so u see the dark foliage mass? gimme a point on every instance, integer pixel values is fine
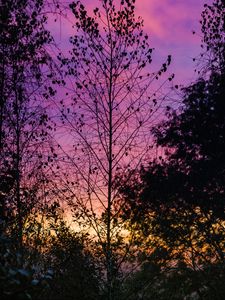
(191, 171)
(180, 197)
(195, 135)
(192, 168)
(161, 234)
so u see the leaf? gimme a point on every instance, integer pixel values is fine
(24, 272)
(35, 282)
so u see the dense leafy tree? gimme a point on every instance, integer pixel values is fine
(191, 172)
(179, 200)
(76, 274)
(194, 136)
(174, 284)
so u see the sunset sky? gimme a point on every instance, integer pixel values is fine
(169, 24)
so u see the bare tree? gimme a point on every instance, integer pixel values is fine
(114, 102)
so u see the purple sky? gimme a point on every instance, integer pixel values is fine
(169, 24)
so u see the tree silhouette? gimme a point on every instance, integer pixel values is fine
(114, 103)
(24, 124)
(194, 136)
(178, 200)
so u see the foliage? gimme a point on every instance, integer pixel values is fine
(191, 173)
(158, 234)
(177, 283)
(57, 266)
(177, 201)
(19, 281)
(75, 272)
(25, 151)
(25, 69)
(213, 38)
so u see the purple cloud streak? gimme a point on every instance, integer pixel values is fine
(169, 24)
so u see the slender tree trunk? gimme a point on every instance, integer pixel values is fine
(18, 100)
(2, 103)
(2, 73)
(110, 158)
(108, 247)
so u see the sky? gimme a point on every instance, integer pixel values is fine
(169, 23)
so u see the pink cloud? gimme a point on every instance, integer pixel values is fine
(169, 24)
(170, 19)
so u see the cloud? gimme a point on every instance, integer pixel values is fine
(169, 24)
(170, 19)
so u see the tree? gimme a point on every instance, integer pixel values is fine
(213, 37)
(19, 282)
(184, 190)
(25, 148)
(114, 103)
(194, 135)
(75, 272)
